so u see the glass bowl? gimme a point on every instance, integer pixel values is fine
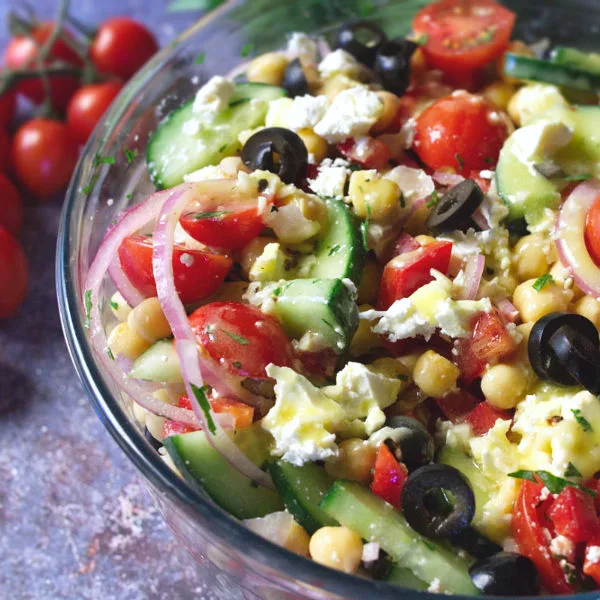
(237, 561)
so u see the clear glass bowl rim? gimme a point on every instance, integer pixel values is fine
(128, 437)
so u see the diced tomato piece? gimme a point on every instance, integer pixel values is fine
(574, 515)
(175, 428)
(406, 110)
(594, 484)
(405, 274)
(368, 152)
(591, 564)
(389, 477)
(484, 416)
(457, 405)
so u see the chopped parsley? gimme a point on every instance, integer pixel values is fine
(328, 324)
(237, 364)
(334, 250)
(402, 201)
(460, 161)
(128, 196)
(114, 305)
(200, 395)
(434, 199)
(277, 292)
(110, 354)
(487, 36)
(554, 484)
(87, 301)
(88, 188)
(104, 160)
(402, 377)
(422, 39)
(210, 214)
(582, 177)
(130, 155)
(572, 471)
(488, 161)
(246, 49)
(583, 422)
(200, 58)
(238, 338)
(429, 545)
(541, 281)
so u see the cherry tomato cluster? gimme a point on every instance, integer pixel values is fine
(69, 79)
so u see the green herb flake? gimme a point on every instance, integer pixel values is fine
(88, 188)
(434, 199)
(210, 214)
(131, 155)
(104, 160)
(334, 250)
(114, 305)
(328, 324)
(583, 422)
(246, 49)
(277, 292)
(128, 196)
(402, 201)
(572, 471)
(582, 177)
(554, 484)
(429, 545)
(541, 281)
(238, 338)
(87, 300)
(237, 364)
(200, 58)
(200, 395)
(488, 161)
(402, 377)
(422, 39)
(110, 354)
(460, 161)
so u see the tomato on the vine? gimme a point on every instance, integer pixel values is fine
(122, 46)
(11, 208)
(44, 154)
(87, 106)
(13, 274)
(22, 52)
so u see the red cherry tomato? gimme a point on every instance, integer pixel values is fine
(44, 155)
(11, 208)
(122, 46)
(13, 274)
(528, 528)
(592, 231)
(87, 106)
(484, 416)
(463, 36)
(197, 273)
(8, 106)
(457, 405)
(368, 152)
(4, 151)
(241, 338)
(573, 515)
(389, 477)
(22, 51)
(461, 131)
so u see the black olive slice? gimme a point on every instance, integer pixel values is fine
(294, 79)
(542, 357)
(455, 208)
(392, 65)
(415, 446)
(475, 543)
(260, 149)
(422, 508)
(361, 39)
(578, 355)
(505, 574)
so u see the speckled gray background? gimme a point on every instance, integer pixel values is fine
(75, 520)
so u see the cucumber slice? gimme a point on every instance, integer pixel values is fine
(159, 363)
(325, 306)
(571, 57)
(172, 154)
(535, 69)
(208, 472)
(375, 520)
(302, 489)
(405, 578)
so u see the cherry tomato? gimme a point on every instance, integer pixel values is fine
(225, 220)
(484, 416)
(592, 231)
(463, 36)
(368, 152)
(11, 208)
(389, 477)
(241, 338)
(461, 131)
(197, 273)
(44, 155)
(87, 106)
(4, 151)
(122, 46)
(8, 106)
(22, 51)
(13, 274)
(573, 515)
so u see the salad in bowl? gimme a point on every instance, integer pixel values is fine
(360, 311)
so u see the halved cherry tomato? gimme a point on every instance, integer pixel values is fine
(11, 207)
(463, 131)
(389, 477)
(13, 274)
(528, 531)
(592, 231)
(367, 152)
(87, 106)
(22, 52)
(406, 273)
(227, 220)
(484, 416)
(574, 515)
(241, 338)
(457, 405)
(197, 273)
(463, 36)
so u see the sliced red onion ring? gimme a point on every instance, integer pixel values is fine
(570, 237)
(414, 207)
(404, 243)
(473, 272)
(444, 178)
(480, 219)
(191, 361)
(508, 309)
(130, 294)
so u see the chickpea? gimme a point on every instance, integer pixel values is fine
(369, 283)
(534, 304)
(504, 385)
(148, 320)
(391, 104)
(315, 144)
(267, 68)
(499, 93)
(373, 196)
(532, 256)
(355, 461)
(588, 307)
(337, 547)
(434, 374)
(123, 341)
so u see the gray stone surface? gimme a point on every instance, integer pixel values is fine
(75, 520)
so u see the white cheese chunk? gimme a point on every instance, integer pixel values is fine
(413, 183)
(331, 178)
(302, 46)
(212, 98)
(338, 62)
(541, 140)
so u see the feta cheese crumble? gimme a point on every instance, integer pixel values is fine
(331, 178)
(212, 98)
(338, 62)
(302, 46)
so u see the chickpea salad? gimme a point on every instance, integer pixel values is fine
(361, 310)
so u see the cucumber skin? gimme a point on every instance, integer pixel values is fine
(405, 578)
(589, 62)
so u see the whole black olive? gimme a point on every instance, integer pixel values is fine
(414, 446)
(361, 39)
(422, 508)
(579, 356)
(392, 65)
(294, 79)
(151, 439)
(475, 543)
(542, 356)
(505, 574)
(259, 153)
(455, 209)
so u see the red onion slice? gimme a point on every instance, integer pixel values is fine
(473, 273)
(570, 237)
(130, 294)
(508, 309)
(480, 219)
(444, 178)
(192, 362)
(404, 243)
